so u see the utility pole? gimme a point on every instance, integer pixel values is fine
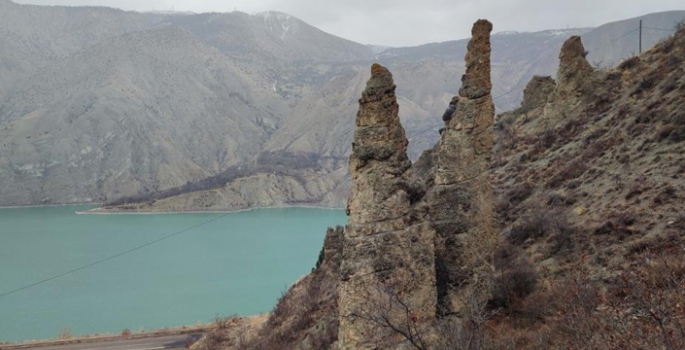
(640, 36)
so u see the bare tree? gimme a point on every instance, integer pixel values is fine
(391, 312)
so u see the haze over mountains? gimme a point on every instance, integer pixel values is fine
(98, 104)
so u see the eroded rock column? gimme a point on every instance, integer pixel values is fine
(387, 256)
(460, 201)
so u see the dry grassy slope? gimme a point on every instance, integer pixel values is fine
(615, 165)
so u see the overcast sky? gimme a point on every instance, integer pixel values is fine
(412, 22)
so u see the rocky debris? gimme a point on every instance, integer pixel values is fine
(385, 252)
(537, 92)
(460, 201)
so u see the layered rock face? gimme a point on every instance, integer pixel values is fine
(385, 252)
(460, 200)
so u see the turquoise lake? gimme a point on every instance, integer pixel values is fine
(238, 264)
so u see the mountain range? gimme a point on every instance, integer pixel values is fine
(230, 110)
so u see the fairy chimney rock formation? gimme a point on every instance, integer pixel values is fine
(379, 154)
(385, 253)
(476, 82)
(460, 200)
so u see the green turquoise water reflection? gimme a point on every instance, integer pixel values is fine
(238, 264)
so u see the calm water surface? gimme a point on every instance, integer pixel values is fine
(238, 264)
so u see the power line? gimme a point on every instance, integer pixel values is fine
(113, 256)
(665, 30)
(521, 81)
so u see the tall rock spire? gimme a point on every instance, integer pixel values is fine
(460, 201)
(379, 154)
(387, 257)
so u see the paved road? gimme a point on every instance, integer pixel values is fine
(156, 343)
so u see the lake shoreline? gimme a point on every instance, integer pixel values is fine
(100, 211)
(29, 206)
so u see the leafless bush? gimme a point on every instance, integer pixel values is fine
(126, 333)
(540, 222)
(679, 26)
(629, 63)
(66, 334)
(224, 322)
(571, 171)
(546, 138)
(520, 192)
(516, 279)
(389, 311)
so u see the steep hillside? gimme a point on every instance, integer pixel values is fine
(32, 37)
(588, 255)
(589, 174)
(105, 122)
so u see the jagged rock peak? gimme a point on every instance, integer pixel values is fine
(537, 92)
(379, 152)
(572, 61)
(476, 82)
(381, 79)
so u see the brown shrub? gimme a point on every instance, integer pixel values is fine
(538, 223)
(520, 192)
(224, 322)
(667, 194)
(516, 279)
(629, 63)
(571, 171)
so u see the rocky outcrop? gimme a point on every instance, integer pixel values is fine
(572, 61)
(575, 80)
(420, 235)
(386, 252)
(459, 202)
(537, 92)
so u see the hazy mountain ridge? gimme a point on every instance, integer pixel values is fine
(159, 116)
